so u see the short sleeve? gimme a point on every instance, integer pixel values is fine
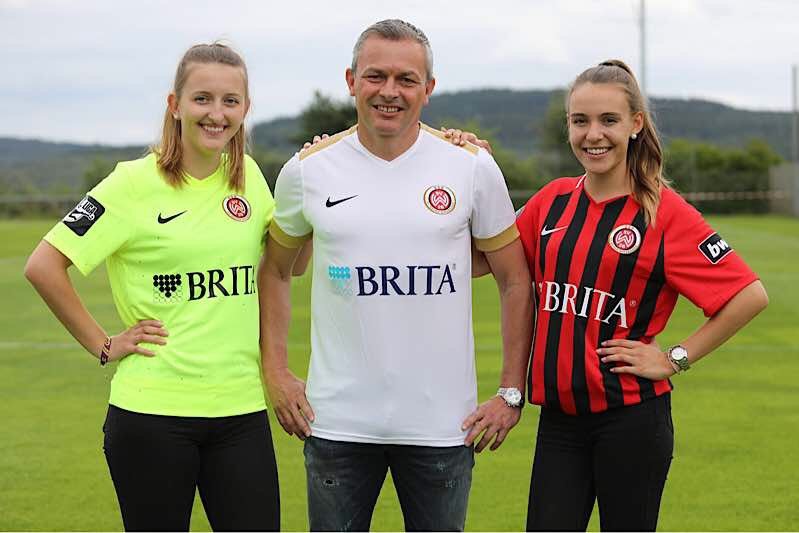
(493, 219)
(290, 227)
(699, 263)
(527, 224)
(99, 225)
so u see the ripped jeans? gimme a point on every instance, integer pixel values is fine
(345, 478)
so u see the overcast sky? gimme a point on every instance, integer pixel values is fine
(99, 70)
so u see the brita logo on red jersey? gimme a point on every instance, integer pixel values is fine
(589, 302)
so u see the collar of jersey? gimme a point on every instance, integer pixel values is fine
(356, 142)
(212, 178)
(594, 203)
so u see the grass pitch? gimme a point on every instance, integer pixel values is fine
(735, 414)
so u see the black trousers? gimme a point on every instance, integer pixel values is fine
(157, 462)
(620, 458)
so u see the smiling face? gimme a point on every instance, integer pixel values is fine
(390, 89)
(211, 108)
(600, 126)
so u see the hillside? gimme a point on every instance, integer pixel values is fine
(513, 116)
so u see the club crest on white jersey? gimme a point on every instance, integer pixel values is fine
(439, 199)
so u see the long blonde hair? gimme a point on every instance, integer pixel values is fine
(169, 151)
(644, 154)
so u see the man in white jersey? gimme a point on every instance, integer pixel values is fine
(392, 208)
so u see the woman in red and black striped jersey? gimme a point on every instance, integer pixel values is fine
(609, 252)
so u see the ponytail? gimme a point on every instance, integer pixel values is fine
(644, 153)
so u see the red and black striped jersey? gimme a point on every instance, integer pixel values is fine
(599, 272)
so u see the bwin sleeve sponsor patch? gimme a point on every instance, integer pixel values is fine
(84, 215)
(714, 248)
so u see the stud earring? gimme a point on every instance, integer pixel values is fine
(634, 136)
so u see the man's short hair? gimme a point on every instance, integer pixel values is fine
(395, 30)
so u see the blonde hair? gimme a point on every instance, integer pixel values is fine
(644, 154)
(169, 151)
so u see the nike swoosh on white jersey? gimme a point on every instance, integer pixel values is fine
(545, 231)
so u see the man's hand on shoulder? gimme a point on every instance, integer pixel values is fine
(493, 419)
(287, 395)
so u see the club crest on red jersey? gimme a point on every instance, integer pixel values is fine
(439, 199)
(625, 239)
(236, 207)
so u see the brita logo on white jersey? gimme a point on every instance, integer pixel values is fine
(565, 298)
(386, 280)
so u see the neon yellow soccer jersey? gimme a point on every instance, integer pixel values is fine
(188, 257)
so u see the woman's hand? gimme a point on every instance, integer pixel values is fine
(644, 360)
(460, 138)
(316, 139)
(127, 342)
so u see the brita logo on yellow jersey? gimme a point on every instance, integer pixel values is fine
(385, 280)
(212, 283)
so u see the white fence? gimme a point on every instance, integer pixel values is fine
(785, 177)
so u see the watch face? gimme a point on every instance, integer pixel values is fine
(513, 396)
(678, 353)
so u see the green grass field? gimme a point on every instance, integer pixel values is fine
(736, 413)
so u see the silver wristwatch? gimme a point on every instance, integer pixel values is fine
(678, 355)
(512, 396)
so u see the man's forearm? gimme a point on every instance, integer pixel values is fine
(509, 267)
(275, 312)
(517, 327)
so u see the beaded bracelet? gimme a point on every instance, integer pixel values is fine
(104, 351)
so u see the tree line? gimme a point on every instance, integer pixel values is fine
(529, 156)
(691, 166)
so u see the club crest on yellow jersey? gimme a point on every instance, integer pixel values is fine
(236, 207)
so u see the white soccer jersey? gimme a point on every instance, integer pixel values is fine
(392, 350)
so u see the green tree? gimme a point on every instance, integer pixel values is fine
(270, 163)
(324, 115)
(702, 167)
(556, 155)
(98, 169)
(521, 175)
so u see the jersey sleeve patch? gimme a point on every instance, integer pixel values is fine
(84, 215)
(714, 248)
(492, 244)
(286, 240)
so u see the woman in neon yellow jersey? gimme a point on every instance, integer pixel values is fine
(181, 233)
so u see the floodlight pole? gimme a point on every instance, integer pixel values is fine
(794, 117)
(795, 140)
(642, 35)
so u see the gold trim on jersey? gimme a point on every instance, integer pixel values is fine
(324, 143)
(469, 147)
(286, 240)
(492, 244)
